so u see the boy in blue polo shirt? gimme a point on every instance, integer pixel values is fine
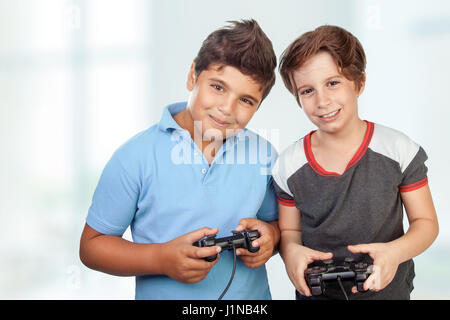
(196, 173)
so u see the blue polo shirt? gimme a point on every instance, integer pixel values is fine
(160, 184)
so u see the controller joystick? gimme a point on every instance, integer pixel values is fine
(241, 239)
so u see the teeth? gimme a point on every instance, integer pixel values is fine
(330, 114)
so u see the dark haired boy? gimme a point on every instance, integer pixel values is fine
(190, 176)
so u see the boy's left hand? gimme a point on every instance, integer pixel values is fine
(385, 264)
(266, 242)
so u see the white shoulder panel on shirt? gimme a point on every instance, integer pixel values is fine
(394, 145)
(289, 161)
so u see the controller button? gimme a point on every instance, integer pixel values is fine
(316, 291)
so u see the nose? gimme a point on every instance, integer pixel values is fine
(323, 100)
(226, 106)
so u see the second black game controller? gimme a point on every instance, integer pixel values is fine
(321, 271)
(241, 239)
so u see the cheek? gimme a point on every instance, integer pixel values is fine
(243, 117)
(308, 103)
(200, 103)
(307, 107)
(347, 96)
(208, 100)
(350, 103)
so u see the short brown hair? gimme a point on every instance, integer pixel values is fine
(242, 45)
(345, 48)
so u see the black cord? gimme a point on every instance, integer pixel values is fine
(342, 287)
(232, 274)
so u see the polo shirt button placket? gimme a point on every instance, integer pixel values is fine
(204, 171)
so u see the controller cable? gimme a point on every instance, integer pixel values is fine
(342, 287)
(232, 274)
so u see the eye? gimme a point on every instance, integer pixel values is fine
(333, 83)
(217, 87)
(306, 92)
(247, 101)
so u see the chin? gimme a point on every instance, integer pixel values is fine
(330, 128)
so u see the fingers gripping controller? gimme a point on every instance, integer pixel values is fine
(327, 270)
(241, 239)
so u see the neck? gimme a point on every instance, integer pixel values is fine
(208, 147)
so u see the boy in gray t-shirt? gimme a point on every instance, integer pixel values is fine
(342, 187)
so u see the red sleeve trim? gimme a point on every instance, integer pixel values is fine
(285, 202)
(414, 186)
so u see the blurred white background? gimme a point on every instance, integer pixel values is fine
(79, 77)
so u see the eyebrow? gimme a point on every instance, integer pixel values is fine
(225, 85)
(326, 80)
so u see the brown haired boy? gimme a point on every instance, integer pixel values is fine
(176, 182)
(341, 188)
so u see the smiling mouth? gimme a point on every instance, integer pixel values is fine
(329, 115)
(218, 122)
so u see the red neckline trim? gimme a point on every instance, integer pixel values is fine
(357, 156)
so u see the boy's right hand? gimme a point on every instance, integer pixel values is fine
(297, 260)
(184, 262)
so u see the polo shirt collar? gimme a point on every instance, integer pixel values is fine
(167, 121)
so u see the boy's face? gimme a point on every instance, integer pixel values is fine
(222, 101)
(326, 96)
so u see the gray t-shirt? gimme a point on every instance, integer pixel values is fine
(363, 205)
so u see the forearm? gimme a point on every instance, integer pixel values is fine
(276, 236)
(289, 238)
(117, 256)
(420, 235)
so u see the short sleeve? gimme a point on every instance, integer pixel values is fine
(269, 208)
(415, 175)
(284, 196)
(114, 202)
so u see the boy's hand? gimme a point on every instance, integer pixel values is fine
(296, 259)
(385, 264)
(182, 261)
(266, 242)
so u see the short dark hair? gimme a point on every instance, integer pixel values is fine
(345, 48)
(242, 45)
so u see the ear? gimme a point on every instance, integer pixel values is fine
(191, 78)
(363, 84)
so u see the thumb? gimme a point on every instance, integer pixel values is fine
(200, 233)
(247, 223)
(319, 255)
(359, 248)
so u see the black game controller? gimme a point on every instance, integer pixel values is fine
(321, 271)
(241, 239)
